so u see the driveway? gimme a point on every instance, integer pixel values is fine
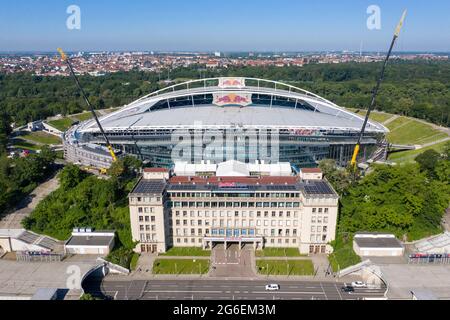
(232, 261)
(13, 220)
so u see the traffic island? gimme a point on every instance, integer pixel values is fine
(285, 267)
(181, 266)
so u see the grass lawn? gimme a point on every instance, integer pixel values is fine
(186, 251)
(134, 261)
(278, 252)
(380, 117)
(375, 116)
(408, 156)
(61, 124)
(82, 116)
(180, 266)
(408, 131)
(343, 257)
(42, 137)
(22, 144)
(283, 267)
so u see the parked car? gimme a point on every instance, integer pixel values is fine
(348, 289)
(358, 284)
(272, 287)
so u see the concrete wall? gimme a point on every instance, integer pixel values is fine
(5, 244)
(88, 250)
(377, 252)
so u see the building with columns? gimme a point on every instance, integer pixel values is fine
(169, 210)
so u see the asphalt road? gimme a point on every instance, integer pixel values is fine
(224, 290)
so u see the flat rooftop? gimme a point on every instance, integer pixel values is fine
(89, 240)
(380, 242)
(149, 186)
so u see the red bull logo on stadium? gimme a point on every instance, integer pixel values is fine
(232, 99)
(231, 82)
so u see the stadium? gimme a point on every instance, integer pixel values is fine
(219, 119)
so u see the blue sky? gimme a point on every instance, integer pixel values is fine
(225, 25)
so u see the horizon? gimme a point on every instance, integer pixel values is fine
(282, 26)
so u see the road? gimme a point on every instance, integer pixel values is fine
(224, 290)
(28, 204)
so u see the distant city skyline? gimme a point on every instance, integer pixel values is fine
(227, 26)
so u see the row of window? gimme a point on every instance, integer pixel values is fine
(237, 223)
(147, 227)
(232, 195)
(319, 210)
(230, 204)
(145, 199)
(319, 229)
(146, 218)
(236, 214)
(147, 237)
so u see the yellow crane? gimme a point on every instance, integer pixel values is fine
(375, 90)
(108, 145)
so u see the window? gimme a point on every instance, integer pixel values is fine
(314, 210)
(140, 209)
(141, 218)
(325, 219)
(320, 210)
(141, 227)
(152, 218)
(325, 210)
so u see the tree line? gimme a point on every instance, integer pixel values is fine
(419, 89)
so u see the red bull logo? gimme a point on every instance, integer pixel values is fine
(232, 99)
(231, 82)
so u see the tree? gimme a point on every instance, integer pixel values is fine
(428, 160)
(71, 176)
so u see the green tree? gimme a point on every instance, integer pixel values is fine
(428, 161)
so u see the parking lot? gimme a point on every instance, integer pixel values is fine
(21, 279)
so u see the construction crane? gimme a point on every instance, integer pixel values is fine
(375, 90)
(108, 145)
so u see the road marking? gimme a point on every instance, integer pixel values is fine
(182, 291)
(340, 296)
(326, 298)
(289, 292)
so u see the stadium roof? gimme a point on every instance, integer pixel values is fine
(232, 102)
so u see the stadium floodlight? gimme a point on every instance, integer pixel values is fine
(377, 87)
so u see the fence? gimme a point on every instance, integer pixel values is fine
(37, 256)
(426, 258)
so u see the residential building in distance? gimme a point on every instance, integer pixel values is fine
(168, 210)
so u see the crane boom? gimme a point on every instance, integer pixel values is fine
(108, 145)
(375, 90)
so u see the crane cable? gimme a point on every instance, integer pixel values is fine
(375, 90)
(108, 145)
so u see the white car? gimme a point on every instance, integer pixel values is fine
(272, 287)
(358, 284)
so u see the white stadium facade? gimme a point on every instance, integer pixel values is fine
(220, 119)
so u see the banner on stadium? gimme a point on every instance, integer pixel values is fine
(232, 99)
(228, 82)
